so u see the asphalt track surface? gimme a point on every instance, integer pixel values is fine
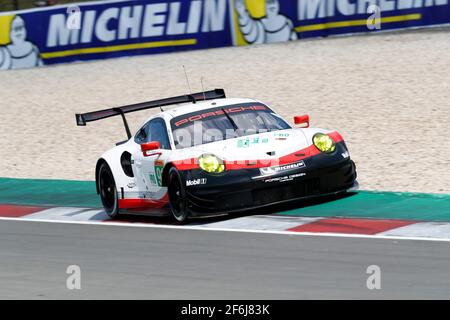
(121, 262)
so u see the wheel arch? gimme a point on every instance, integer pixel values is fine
(113, 158)
(165, 174)
(97, 169)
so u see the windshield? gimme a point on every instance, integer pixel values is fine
(213, 124)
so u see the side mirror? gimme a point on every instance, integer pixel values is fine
(149, 146)
(304, 119)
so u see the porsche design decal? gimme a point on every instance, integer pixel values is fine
(196, 116)
(285, 178)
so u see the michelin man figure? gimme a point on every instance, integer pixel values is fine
(5, 59)
(273, 27)
(19, 53)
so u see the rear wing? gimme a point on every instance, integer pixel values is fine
(83, 118)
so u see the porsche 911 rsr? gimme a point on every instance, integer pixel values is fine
(213, 155)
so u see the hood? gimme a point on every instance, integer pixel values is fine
(260, 146)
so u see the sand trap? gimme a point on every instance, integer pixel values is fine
(389, 96)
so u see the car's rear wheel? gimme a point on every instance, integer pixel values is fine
(107, 189)
(177, 196)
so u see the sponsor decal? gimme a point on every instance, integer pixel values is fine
(247, 142)
(158, 174)
(131, 185)
(196, 182)
(153, 180)
(345, 155)
(287, 167)
(285, 178)
(281, 136)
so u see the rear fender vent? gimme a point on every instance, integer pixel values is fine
(125, 162)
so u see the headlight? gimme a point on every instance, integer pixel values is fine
(210, 163)
(324, 143)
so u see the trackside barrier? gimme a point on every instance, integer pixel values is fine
(99, 30)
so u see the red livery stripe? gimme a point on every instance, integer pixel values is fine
(143, 203)
(289, 158)
(335, 136)
(192, 163)
(187, 164)
(354, 226)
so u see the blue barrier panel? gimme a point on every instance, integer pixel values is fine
(107, 29)
(264, 21)
(111, 29)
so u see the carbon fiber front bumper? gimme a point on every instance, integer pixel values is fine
(246, 189)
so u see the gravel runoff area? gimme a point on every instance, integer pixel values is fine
(388, 95)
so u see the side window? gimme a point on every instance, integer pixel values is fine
(155, 130)
(140, 137)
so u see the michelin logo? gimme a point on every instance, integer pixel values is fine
(287, 167)
(314, 9)
(138, 21)
(195, 182)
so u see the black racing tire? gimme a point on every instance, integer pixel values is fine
(177, 196)
(107, 190)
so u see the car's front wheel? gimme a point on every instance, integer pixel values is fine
(177, 196)
(107, 189)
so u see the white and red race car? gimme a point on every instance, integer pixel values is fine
(212, 155)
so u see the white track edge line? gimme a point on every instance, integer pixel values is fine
(197, 228)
